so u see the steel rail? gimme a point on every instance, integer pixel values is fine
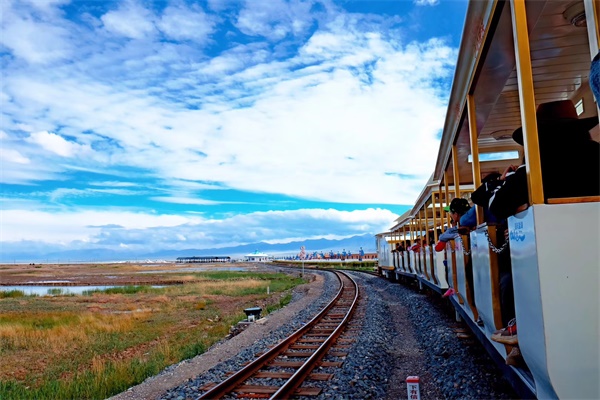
(288, 388)
(235, 380)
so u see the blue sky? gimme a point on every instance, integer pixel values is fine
(147, 125)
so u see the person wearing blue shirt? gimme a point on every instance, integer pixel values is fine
(469, 219)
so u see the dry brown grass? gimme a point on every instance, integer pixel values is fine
(70, 327)
(229, 287)
(81, 340)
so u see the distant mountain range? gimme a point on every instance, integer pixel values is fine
(352, 244)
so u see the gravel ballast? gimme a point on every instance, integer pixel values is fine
(402, 333)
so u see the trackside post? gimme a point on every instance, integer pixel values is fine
(412, 388)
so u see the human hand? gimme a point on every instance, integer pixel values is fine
(510, 169)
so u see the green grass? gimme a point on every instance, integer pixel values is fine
(11, 294)
(285, 300)
(124, 290)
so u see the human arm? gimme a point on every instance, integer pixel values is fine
(449, 234)
(440, 246)
(512, 197)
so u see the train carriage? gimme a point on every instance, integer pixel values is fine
(517, 58)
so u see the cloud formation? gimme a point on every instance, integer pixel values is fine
(180, 104)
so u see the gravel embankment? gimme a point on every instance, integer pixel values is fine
(402, 333)
(217, 374)
(406, 333)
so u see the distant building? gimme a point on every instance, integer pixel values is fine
(366, 256)
(203, 260)
(256, 257)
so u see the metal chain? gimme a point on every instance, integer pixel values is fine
(465, 252)
(494, 248)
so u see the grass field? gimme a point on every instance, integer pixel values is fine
(98, 344)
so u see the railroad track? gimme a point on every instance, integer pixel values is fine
(291, 362)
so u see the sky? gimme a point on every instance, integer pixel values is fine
(153, 125)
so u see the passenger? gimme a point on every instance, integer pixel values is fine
(417, 246)
(469, 219)
(481, 197)
(561, 136)
(556, 120)
(458, 207)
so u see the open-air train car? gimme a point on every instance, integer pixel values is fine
(514, 56)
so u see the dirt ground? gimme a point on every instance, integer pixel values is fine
(106, 274)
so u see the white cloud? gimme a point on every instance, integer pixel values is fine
(341, 110)
(12, 156)
(187, 200)
(131, 20)
(113, 184)
(61, 193)
(426, 2)
(274, 19)
(186, 23)
(62, 227)
(38, 39)
(357, 107)
(111, 227)
(58, 145)
(46, 7)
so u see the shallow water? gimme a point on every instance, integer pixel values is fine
(56, 290)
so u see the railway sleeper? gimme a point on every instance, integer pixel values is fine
(314, 340)
(256, 389)
(298, 364)
(288, 375)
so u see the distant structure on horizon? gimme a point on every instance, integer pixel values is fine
(256, 257)
(203, 260)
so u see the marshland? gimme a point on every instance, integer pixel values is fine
(99, 342)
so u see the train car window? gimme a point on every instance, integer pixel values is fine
(579, 107)
(496, 156)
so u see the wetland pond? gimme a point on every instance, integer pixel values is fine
(57, 290)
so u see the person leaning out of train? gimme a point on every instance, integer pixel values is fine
(449, 234)
(561, 134)
(417, 246)
(481, 196)
(463, 214)
(510, 196)
(457, 209)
